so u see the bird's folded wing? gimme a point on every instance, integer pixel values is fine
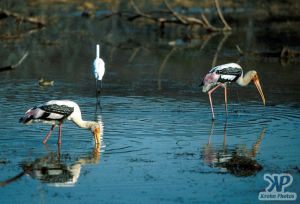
(58, 109)
(230, 71)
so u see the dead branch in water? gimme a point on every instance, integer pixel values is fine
(162, 67)
(171, 16)
(284, 53)
(19, 17)
(17, 35)
(226, 26)
(11, 67)
(289, 53)
(225, 37)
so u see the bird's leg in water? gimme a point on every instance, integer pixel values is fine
(98, 104)
(96, 83)
(211, 106)
(59, 135)
(48, 135)
(210, 100)
(99, 96)
(225, 95)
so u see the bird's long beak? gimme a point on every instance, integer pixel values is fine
(97, 135)
(257, 84)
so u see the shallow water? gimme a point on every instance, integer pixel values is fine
(159, 144)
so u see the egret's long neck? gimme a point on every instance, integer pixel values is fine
(84, 124)
(97, 51)
(244, 81)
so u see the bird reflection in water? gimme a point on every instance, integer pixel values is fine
(98, 109)
(56, 169)
(238, 161)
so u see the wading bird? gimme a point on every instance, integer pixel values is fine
(56, 112)
(98, 67)
(221, 75)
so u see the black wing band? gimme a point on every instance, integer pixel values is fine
(230, 71)
(63, 109)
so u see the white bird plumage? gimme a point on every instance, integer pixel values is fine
(98, 65)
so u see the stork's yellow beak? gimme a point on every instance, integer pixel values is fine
(257, 84)
(97, 135)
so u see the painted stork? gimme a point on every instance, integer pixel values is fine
(98, 67)
(220, 75)
(56, 112)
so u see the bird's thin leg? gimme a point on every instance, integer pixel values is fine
(100, 95)
(59, 135)
(225, 95)
(210, 100)
(211, 106)
(48, 135)
(98, 99)
(96, 83)
(98, 103)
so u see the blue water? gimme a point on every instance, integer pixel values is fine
(154, 149)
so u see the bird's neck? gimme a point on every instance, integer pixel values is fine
(98, 51)
(245, 80)
(84, 124)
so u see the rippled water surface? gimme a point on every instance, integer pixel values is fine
(159, 144)
(154, 149)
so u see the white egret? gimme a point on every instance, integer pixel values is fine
(98, 67)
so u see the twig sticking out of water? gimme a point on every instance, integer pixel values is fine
(11, 67)
(214, 63)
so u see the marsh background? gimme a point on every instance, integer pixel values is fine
(159, 144)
